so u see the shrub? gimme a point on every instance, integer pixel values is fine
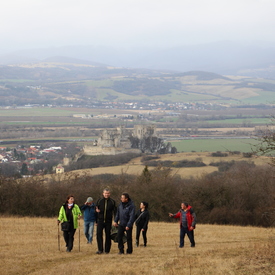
(247, 154)
(219, 154)
(177, 164)
(149, 157)
(101, 161)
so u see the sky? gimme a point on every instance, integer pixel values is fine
(129, 23)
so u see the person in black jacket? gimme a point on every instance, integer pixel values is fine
(125, 216)
(106, 210)
(142, 219)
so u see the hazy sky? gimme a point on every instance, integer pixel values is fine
(46, 23)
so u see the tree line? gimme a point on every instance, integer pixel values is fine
(242, 195)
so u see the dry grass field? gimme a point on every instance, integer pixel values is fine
(135, 167)
(30, 246)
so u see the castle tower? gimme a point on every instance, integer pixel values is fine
(141, 131)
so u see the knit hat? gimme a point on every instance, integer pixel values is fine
(89, 200)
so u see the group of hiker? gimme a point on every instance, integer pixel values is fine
(116, 222)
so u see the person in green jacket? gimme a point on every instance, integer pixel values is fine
(69, 212)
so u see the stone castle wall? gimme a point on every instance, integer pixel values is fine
(142, 131)
(116, 141)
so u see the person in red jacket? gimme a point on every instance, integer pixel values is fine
(187, 223)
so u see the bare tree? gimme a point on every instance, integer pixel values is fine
(266, 145)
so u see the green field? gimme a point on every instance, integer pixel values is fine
(213, 145)
(15, 80)
(240, 121)
(264, 97)
(47, 112)
(36, 112)
(49, 123)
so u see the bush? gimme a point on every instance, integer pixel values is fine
(149, 157)
(219, 154)
(225, 165)
(235, 152)
(247, 154)
(101, 161)
(176, 164)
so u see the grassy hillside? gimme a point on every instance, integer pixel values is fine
(135, 166)
(30, 246)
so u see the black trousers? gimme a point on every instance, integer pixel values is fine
(139, 228)
(190, 234)
(99, 236)
(120, 233)
(69, 238)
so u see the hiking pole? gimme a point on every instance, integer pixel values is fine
(78, 235)
(58, 237)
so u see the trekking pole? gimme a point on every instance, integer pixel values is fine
(58, 237)
(78, 235)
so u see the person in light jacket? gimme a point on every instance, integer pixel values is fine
(124, 219)
(69, 212)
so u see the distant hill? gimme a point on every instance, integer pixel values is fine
(202, 75)
(12, 59)
(256, 59)
(65, 80)
(70, 60)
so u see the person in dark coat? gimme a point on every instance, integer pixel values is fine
(142, 219)
(106, 210)
(124, 219)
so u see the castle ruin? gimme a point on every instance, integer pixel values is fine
(118, 141)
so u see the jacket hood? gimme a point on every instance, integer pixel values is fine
(129, 202)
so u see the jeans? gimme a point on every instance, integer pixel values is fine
(190, 234)
(89, 231)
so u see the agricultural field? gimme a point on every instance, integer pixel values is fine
(44, 112)
(215, 144)
(35, 246)
(239, 121)
(189, 88)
